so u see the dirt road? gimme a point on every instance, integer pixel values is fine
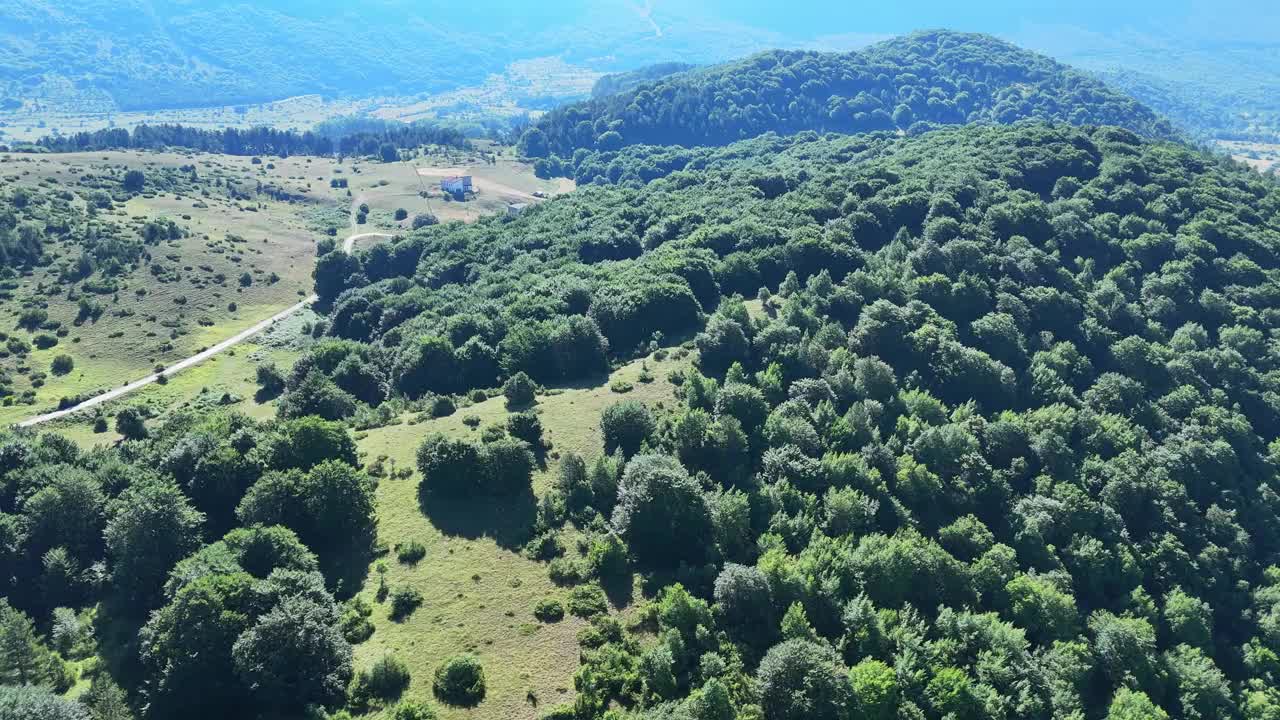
(347, 246)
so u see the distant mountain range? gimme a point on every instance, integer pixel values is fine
(1212, 72)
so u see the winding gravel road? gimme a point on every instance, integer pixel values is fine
(347, 246)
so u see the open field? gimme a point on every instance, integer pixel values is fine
(239, 217)
(36, 120)
(1260, 156)
(187, 293)
(479, 590)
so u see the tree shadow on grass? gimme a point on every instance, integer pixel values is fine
(508, 519)
(345, 567)
(619, 588)
(266, 395)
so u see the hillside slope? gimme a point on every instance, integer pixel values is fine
(936, 77)
(1004, 424)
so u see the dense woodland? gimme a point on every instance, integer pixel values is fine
(615, 83)
(260, 140)
(998, 446)
(978, 423)
(212, 549)
(936, 77)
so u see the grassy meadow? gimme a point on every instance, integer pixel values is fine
(260, 216)
(479, 590)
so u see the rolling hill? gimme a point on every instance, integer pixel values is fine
(1004, 394)
(936, 77)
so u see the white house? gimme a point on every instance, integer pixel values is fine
(456, 185)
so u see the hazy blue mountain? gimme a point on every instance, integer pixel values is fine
(1210, 69)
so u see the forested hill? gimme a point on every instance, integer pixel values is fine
(999, 444)
(620, 82)
(935, 77)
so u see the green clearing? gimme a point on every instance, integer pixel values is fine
(239, 216)
(229, 375)
(479, 591)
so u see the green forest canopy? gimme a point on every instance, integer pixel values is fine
(1001, 442)
(938, 77)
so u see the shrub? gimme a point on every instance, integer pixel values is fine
(608, 557)
(413, 710)
(134, 181)
(62, 365)
(44, 341)
(424, 220)
(356, 627)
(411, 552)
(519, 390)
(549, 610)
(460, 681)
(401, 214)
(544, 546)
(404, 600)
(270, 379)
(32, 318)
(388, 678)
(443, 406)
(527, 427)
(564, 711)
(627, 425)
(567, 571)
(129, 423)
(587, 601)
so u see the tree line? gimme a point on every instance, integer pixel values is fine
(260, 140)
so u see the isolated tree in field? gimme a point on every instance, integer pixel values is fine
(519, 390)
(62, 365)
(460, 681)
(388, 153)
